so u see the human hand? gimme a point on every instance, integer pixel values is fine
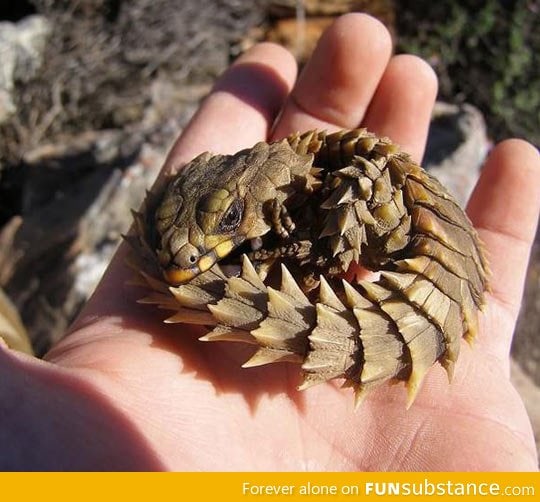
(125, 391)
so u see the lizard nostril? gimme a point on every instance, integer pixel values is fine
(192, 259)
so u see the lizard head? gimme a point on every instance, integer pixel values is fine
(203, 216)
(200, 235)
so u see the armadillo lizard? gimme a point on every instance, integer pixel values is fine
(292, 216)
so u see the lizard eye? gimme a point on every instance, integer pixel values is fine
(232, 217)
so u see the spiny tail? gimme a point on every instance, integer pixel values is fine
(393, 329)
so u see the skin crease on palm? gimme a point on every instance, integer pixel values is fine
(125, 391)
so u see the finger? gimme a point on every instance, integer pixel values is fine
(239, 112)
(504, 208)
(337, 84)
(403, 102)
(241, 107)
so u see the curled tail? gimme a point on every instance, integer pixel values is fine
(395, 328)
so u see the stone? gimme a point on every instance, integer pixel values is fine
(457, 147)
(22, 47)
(76, 204)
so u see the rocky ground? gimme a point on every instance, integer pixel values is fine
(82, 136)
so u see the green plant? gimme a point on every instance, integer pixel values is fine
(484, 52)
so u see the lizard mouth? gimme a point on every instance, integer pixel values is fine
(177, 276)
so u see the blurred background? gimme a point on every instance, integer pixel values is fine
(93, 92)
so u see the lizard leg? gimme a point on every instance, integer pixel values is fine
(280, 219)
(294, 249)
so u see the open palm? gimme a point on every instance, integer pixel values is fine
(125, 391)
